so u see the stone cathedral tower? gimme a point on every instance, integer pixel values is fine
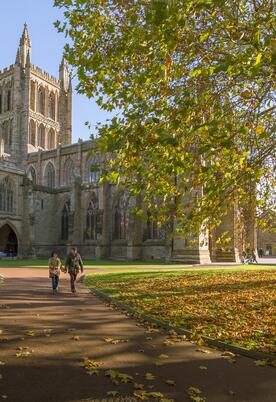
(35, 108)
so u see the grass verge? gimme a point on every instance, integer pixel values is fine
(235, 305)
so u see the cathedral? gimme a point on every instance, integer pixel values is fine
(49, 192)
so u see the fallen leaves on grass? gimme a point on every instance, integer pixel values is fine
(234, 307)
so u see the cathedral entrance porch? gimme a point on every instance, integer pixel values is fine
(8, 242)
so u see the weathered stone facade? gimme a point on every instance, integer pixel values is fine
(49, 195)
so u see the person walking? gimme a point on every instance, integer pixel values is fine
(73, 265)
(55, 266)
(261, 253)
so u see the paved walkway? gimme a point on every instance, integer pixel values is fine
(68, 328)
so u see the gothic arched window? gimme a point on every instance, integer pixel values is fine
(68, 172)
(120, 219)
(32, 95)
(152, 230)
(6, 195)
(41, 136)
(32, 133)
(93, 171)
(8, 100)
(93, 221)
(65, 221)
(51, 106)
(40, 100)
(117, 223)
(49, 175)
(51, 139)
(5, 133)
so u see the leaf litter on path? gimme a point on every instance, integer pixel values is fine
(91, 366)
(114, 341)
(24, 351)
(195, 394)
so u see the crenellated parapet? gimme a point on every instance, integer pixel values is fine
(6, 72)
(44, 76)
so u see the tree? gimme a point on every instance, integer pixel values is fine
(191, 83)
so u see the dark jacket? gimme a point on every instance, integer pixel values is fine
(74, 264)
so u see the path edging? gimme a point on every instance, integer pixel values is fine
(209, 341)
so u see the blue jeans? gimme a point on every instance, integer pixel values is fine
(55, 280)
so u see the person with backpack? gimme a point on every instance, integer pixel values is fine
(55, 266)
(73, 265)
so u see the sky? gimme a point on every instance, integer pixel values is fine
(46, 53)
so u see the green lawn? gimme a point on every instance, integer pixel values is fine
(235, 305)
(40, 263)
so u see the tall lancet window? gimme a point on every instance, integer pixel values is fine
(49, 176)
(32, 95)
(65, 221)
(120, 218)
(40, 100)
(51, 139)
(41, 136)
(68, 172)
(93, 221)
(51, 106)
(32, 133)
(6, 195)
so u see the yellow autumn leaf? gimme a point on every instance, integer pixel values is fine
(170, 382)
(31, 333)
(259, 129)
(149, 376)
(163, 356)
(112, 393)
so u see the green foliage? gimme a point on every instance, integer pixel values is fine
(193, 84)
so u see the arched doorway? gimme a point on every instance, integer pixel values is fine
(8, 242)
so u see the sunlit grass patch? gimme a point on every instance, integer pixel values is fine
(235, 305)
